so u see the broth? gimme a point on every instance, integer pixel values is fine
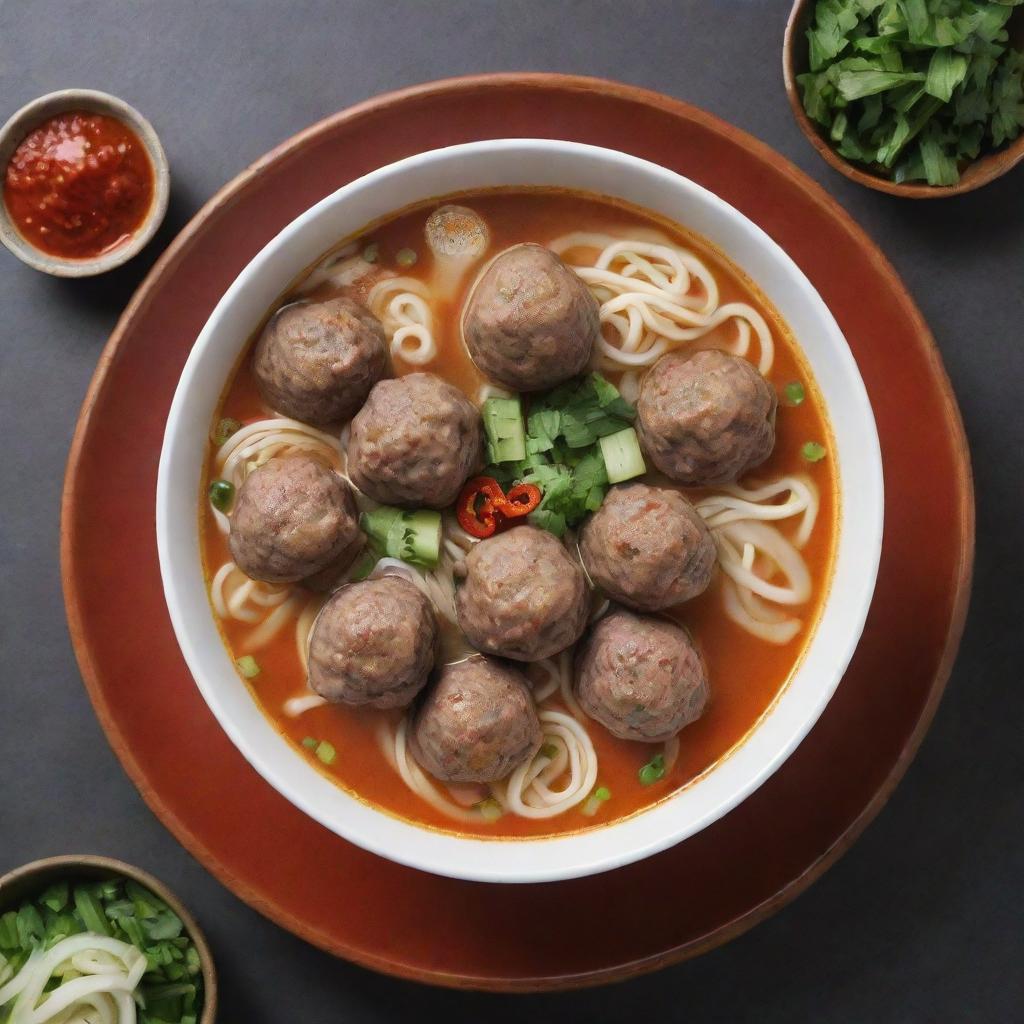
(746, 673)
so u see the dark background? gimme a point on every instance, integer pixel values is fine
(922, 920)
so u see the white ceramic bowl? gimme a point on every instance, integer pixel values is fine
(857, 456)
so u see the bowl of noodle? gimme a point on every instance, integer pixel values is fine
(639, 285)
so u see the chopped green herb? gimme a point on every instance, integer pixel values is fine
(549, 750)
(603, 793)
(405, 257)
(653, 771)
(372, 252)
(309, 743)
(567, 429)
(490, 809)
(222, 494)
(56, 897)
(794, 392)
(593, 802)
(248, 666)
(325, 752)
(813, 452)
(914, 89)
(224, 429)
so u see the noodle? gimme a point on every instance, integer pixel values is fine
(400, 305)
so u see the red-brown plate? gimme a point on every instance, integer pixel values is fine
(465, 934)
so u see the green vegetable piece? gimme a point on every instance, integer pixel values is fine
(90, 911)
(9, 939)
(549, 750)
(794, 392)
(248, 666)
(623, 459)
(812, 451)
(490, 809)
(56, 897)
(377, 524)
(325, 752)
(371, 253)
(946, 70)
(31, 929)
(603, 793)
(653, 771)
(503, 425)
(224, 429)
(405, 257)
(222, 494)
(309, 743)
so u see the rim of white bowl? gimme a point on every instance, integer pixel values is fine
(575, 167)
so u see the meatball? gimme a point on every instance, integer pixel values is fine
(293, 517)
(316, 361)
(640, 677)
(415, 442)
(524, 596)
(647, 547)
(373, 643)
(530, 322)
(477, 723)
(706, 417)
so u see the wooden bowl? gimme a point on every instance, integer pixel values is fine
(25, 882)
(795, 62)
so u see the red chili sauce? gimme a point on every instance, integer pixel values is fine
(79, 185)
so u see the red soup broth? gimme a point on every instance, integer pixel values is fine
(746, 674)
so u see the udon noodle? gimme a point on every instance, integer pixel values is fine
(654, 296)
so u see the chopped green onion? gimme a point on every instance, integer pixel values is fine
(490, 809)
(224, 429)
(90, 910)
(56, 897)
(813, 452)
(405, 257)
(623, 459)
(309, 743)
(222, 494)
(503, 424)
(653, 771)
(372, 252)
(414, 537)
(549, 750)
(325, 752)
(248, 666)
(594, 801)
(794, 392)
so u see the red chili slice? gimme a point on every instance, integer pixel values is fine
(521, 500)
(478, 505)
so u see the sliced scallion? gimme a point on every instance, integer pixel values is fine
(309, 743)
(623, 459)
(813, 452)
(653, 771)
(503, 424)
(248, 666)
(490, 809)
(794, 392)
(325, 752)
(222, 494)
(405, 257)
(372, 252)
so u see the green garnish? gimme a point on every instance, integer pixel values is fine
(503, 425)
(564, 431)
(224, 429)
(248, 666)
(653, 771)
(170, 991)
(325, 752)
(593, 802)
(222, 494)
(549, 750)
(414, 537)
(309, 743)
(372, 252)
(490, 809)
(405, 257)
(914, 89)
(794, 392)
(813, 452)
(623, 459)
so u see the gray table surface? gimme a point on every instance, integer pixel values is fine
(921, 921)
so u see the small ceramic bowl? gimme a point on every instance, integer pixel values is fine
(795, 62)
(34, 114)
(26, 882)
